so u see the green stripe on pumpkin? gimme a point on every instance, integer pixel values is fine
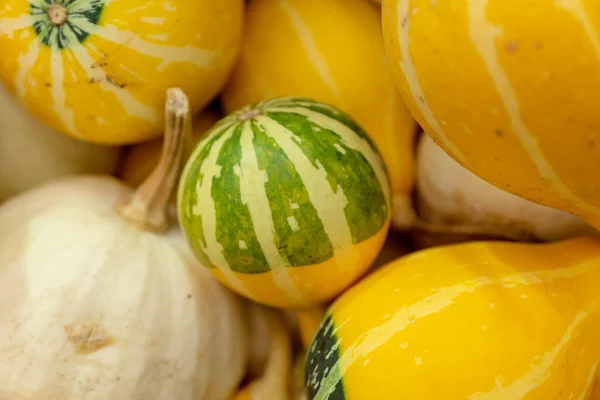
(301, 237)
(337, 198)
(366, 211)
(332, 113)
(323, 360)
(192, 222)
(235, 229)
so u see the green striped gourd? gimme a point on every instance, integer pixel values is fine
(287, 201)
(473, 321)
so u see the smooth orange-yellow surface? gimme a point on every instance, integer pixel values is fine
(316, 283)
(308, 323)
(472, 321)
(510, 88)
(332, 51)
(108, 87)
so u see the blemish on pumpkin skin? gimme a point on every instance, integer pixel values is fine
(113, 80)
(499, 133)
(512, 46)
(87, 338)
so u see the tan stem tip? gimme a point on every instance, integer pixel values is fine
(57, 14)
(249, 114)
(147, 207)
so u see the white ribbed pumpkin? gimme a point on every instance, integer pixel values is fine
(100, 300)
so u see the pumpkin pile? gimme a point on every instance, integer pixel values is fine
(299, 200)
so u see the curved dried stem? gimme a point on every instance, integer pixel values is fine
(147, 207)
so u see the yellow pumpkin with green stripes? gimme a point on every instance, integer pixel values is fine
(509, 88)
(97, 70)
(287, 201)
(331, 51)
(479, 321)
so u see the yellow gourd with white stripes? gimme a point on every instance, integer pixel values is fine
(331, 51)
(478, 321)
(510, 88)
(97, 70)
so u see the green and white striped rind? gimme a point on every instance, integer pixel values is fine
(287, 182)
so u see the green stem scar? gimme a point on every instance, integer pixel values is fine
(61, 24)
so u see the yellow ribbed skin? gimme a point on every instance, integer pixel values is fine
(478, 321)
(332, 51)
(510, 88)
(101, 75)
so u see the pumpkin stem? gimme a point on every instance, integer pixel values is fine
(147, 208)
(57, 14)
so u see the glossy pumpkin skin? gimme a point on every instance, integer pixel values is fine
(101, 75)
(509, 88)
(296, 48)
(286, 201)
(483, 320)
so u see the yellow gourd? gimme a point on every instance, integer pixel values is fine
(509, 88)
(308, 320)
(97, 70)
(595, 395)
(332, 51)
(483, 320)
(141, 159)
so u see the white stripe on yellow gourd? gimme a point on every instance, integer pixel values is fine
(424, 302)
(503, 121)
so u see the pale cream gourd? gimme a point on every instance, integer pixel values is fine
(450, 194)
(100, 300)
(272, 378)
(31, 153)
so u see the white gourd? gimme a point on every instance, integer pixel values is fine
(31, 153)
(100, 300)
(450, 194)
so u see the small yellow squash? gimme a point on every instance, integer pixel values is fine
(479, 321)
(97, 70)
(331, 51)
(509, 88)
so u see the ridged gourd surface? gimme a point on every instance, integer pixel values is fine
(296, 48)
(288, 201)
(477, 321)
(97, 70)
(510, 88)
